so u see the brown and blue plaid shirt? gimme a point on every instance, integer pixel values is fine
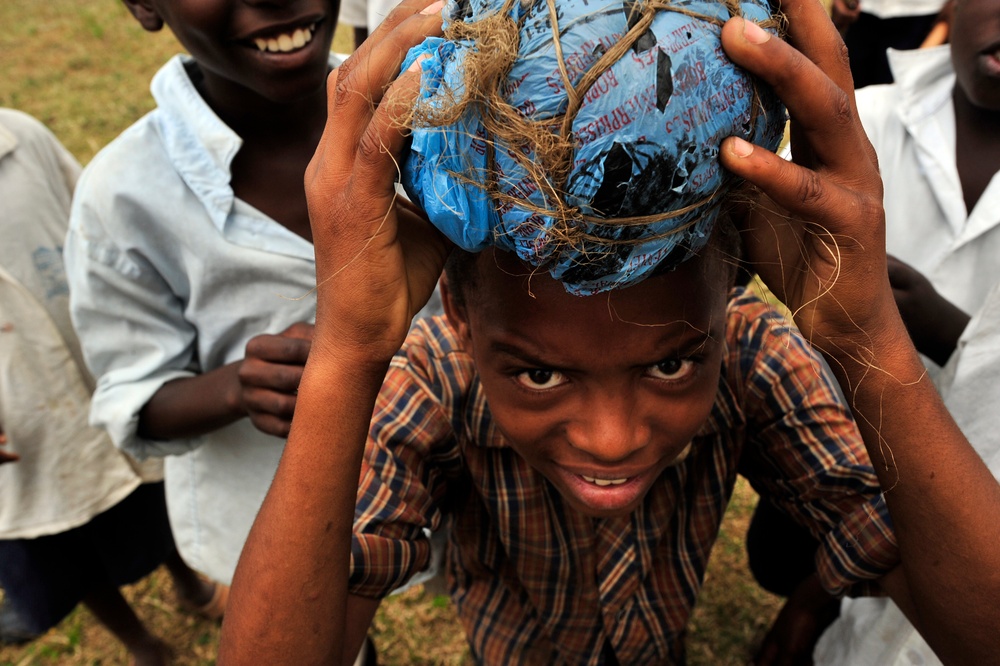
(534, 581)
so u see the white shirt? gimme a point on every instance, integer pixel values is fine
(68, 472)
(898, 8)
(171, 275)
(911, 123)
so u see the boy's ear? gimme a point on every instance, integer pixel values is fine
(145, 13)
(455, 311)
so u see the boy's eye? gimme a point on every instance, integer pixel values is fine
(672, 369)
(539, 378)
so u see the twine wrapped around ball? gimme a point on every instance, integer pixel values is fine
(583, 134)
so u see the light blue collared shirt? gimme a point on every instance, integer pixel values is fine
(170, 276)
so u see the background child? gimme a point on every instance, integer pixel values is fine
(191, 264)
(76, 519)
(938, 141)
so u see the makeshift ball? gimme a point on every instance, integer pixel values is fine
(583, 135)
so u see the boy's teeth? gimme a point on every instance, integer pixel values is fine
(286, 42)
(603, 482)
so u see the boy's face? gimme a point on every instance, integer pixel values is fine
(600, 394)
(975, 51)
(277, 49)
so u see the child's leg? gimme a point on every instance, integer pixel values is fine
(148, 511)
(13, 629)
(782, 558)
(781, 554)
(110, 608)
(194, 591)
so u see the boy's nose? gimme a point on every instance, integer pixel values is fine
(609, 429)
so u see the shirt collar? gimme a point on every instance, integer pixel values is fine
(925, 80)
(200, 145)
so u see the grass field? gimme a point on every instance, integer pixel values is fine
(83, 67)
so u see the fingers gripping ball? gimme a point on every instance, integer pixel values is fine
(583, 134)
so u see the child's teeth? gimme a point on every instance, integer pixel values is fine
(287, 42)
(603, 482)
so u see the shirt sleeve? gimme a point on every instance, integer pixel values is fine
(131, 324)
(804, 452)
(411, 453)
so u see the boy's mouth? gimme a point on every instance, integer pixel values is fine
(286, 42)
(603, 482)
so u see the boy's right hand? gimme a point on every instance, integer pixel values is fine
(269, 377)
(377, 259)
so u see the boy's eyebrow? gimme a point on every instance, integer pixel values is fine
(509, 349)
(692, 340)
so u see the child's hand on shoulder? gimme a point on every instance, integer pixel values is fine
(377, 257)
(269, 377)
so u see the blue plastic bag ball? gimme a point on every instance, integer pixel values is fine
(645, 138)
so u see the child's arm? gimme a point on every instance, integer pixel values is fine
(818, 241)
(935, 324)
(376, 265)
(262, 387)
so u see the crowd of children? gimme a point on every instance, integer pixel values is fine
(233, 290)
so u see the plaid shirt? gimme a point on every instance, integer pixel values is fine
(534, 581)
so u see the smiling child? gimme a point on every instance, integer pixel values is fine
(191, 265)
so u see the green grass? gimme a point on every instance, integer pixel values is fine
(83, 67)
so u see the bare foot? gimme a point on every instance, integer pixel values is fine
(195, 594)
(153, 652)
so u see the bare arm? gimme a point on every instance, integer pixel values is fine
(376, 265)
(817, 237)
